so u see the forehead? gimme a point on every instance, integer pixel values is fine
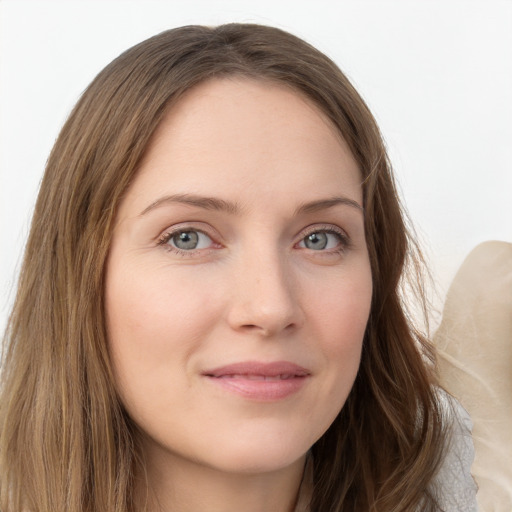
(242, 107)
(261, 98)
(228, 135)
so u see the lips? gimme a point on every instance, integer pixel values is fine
(260, 381)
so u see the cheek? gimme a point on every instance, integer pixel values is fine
(154, 300)
(154, 322)
(341, 308)
(339, 316)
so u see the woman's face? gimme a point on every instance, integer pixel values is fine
(238, 282)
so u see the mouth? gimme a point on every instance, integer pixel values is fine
(260, 381)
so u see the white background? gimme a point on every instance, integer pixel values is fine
(436, 73)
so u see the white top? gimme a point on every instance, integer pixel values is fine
(457, 489)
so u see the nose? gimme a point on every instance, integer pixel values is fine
(264, 296)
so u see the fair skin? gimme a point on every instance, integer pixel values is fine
(240, 242)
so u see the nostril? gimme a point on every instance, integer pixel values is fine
(253, 327)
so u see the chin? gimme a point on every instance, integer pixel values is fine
(259, 463)
(259, 454)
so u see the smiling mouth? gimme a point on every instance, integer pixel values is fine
(257, 377)
(257, 381)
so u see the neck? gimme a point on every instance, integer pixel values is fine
(180, 485)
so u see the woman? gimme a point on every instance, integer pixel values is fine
(208, 314)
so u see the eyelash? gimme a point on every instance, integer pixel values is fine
(344, 240)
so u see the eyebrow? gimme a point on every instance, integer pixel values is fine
(214, 203)
(325, 204)
(207, 203)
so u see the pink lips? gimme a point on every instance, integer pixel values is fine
(260, 381)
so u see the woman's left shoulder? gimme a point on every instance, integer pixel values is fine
(455, 484)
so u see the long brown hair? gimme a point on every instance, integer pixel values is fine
(66, 444)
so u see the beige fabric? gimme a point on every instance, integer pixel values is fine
(475, 344)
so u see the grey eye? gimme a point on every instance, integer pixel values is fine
(316, 241)
(190, 240)
(321, 240)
